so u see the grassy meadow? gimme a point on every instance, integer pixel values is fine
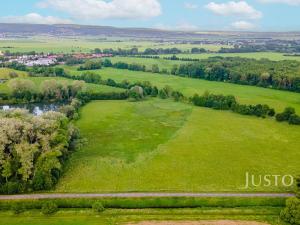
(119, 217)
(4, 73)
(253, 55)
(85, 45)
(161, 145)
(245, 94)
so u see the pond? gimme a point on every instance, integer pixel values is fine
(34, 108)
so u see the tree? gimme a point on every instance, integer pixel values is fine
(291, 213)
(76, 87)
(26, 153)
(32, 149)
(21, 88)
(98, 207)
(49, 208)
(286, 115)
(6, 169)
(155, 68)
(136, 93)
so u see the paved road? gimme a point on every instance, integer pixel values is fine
(142, 195)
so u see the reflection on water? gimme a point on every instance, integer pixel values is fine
(36, 109)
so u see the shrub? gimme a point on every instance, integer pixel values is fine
(49, 208)
(291, 214)
(136, 93)
(10, 188)
(98, 207)
(285, 116)
(294, 119)
(18, 208)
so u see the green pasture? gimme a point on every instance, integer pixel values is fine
(188, 86)
(81, 44)
(5, 72)
(119, 217)
(255, 55)
(160, 145)
(162, 63)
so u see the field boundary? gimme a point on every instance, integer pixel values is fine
(143, 195)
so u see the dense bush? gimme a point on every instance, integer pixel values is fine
(256, 110)
(150, 202)
(49, 208)
(18, 208)
(98, 207)
(291, 214)
(214, 101)
(136, 93)
(90, 65)
(32, 150)
(221, 102)
(289, 115)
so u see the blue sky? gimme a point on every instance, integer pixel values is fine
(258, 15)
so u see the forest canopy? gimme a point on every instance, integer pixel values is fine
(33, 149)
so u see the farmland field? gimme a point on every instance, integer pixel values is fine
(245, 94)
(158, 145)
(167, 64)
(69, 45)
(256, 55)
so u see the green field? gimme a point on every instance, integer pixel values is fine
(80, 44)
(4, 73)
(167, 64)
(119, 217)
(162, 63)
(245, 94)
(91, 88)
(158, 145)
(256, 55)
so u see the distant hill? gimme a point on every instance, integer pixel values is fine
(85, 30)
(106, 31)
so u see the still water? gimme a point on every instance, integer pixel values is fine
(36, 109)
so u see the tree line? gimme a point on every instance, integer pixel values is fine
(221, 102)
(284, 75)
(25, 90)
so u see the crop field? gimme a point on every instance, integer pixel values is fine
(92, 88)
(69, 45)
(256, 55)
(161, 145)
(245, 94)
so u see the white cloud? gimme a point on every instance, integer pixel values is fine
(103, 9)
(243, 25)
(289, 2)
(189, 5)
(183, 26)
(34, 18)
(241, 9)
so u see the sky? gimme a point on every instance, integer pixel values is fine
(185, 15)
